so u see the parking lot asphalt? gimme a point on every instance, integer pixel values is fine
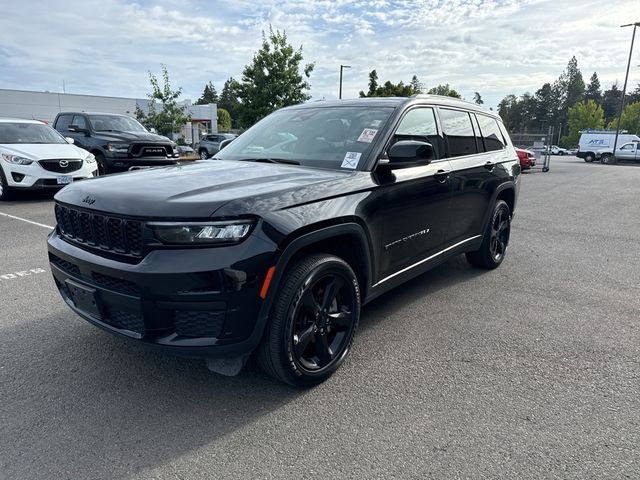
(528, 371)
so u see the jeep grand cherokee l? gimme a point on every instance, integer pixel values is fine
(118, 142)
(275, 247)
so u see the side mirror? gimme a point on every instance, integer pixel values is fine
(69, 140)
(225, 142)
(77, 129)
(410, 153)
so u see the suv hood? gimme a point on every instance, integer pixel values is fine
(39, 151)
(198, 189)
(127, 137)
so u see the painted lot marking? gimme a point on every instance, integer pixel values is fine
(27, 221)
(21, 274)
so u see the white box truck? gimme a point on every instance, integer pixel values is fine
(598, 144)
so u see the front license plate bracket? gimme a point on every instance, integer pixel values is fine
(84, 298)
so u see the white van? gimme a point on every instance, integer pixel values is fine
(596, 143)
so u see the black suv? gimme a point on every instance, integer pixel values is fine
(118, 142)
(311, 213)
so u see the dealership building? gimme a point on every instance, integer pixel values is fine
(45, 106)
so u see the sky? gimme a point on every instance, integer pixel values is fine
(494, 47)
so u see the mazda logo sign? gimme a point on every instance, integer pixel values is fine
(63, 163)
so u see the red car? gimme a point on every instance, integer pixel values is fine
(527, 158)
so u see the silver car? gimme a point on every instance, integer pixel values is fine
(209, 145)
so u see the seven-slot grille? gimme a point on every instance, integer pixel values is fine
(104, 232)
(61, 165)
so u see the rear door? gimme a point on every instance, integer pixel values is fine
(476, 149)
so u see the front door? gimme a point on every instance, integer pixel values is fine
(628, 151)
(413, 202)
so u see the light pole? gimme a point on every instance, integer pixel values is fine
(341, 68)
(624, 89)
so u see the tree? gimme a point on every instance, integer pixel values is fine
(224, 120)
(593, 91)
(171, 118)
(477, 99)
(575, 84)
(634, 96)
(390, 89)
(416, 86)
(611, 102)
(209, 95)
(444, 90)
(630, 119)
(229, 100)
(586, 114)
(273, 79)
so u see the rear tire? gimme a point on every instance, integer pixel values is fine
(588, 158)
(495, 240)
(313, 321)
(5, 191)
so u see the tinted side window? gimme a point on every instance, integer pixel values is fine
(493, 139)
(62, 125)
(420, 124)
(458, 132)
(79, 121)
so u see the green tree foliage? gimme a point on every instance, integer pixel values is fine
(611, 102)
(634, 96)
(444, 90)
(171, 117)
(629, 120)
(477, 99)
(229, 100)
(273, 79)
(585, 114)
(390, 89)
(224, 120)
(209, 95)
(518, 114)
(593, 91)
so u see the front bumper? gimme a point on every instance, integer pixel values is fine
(34, 177)
(202, 302)
(123, 164)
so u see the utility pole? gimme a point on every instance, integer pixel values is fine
(624, 89)
(341, 68)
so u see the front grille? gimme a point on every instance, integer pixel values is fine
(65, 266)
(198, 323)
(151, 150)
(124, 320)
(61, 165)
(116, 284)
(101, 232)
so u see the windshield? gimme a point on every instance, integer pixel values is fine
(115, 123)
(19, 132)
(326, 137)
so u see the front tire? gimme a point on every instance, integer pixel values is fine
(313, 321)
(5, 192)
(495, 240)
(607, 159)
(203, 154)
(102, 165)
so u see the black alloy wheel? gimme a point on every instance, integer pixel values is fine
(314, 320)
(495, 240)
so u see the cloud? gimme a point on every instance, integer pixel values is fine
(496, 47)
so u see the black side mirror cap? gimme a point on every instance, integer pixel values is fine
(76, 128)
(409, 153)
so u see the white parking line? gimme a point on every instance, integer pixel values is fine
(28, 221)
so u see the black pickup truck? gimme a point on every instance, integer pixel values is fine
(118, 142)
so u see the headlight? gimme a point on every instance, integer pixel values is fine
(205, 233)
(90, 158)
(118, 147)
(16, 160)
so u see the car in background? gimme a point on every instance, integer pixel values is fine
(527, 158)
(186, 151)
(572, 151)
(33, 156)
(118, 142)
(598, 144)
(209, 145)
(556, 150)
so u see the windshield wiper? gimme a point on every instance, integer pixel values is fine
(270, 160)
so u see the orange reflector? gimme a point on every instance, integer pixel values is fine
(267, 281)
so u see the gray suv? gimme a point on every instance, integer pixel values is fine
(209, 145)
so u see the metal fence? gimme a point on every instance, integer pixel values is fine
(538, 142)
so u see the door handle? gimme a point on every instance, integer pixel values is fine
(489, 165)
(442, 175)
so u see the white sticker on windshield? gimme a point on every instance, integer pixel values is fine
(376, 123)
(367, 135)
(351, 160)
